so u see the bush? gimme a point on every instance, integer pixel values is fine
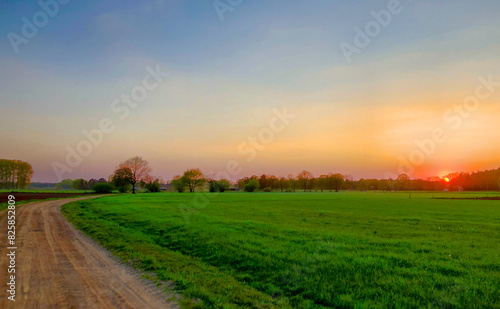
(219, 185)
(125, 188)
(179, 183)
(223, 185)
(212, 186)
(268, 189)
(103, 188)
(152, 186)
(252, 185)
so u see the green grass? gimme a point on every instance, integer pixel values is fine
(5, 205)
(307, 250)
(20, 203)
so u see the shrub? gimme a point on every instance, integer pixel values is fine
(179, 183)
(212, 186)
(223, 185)
(218, 185)
(152, 186)
(252, 185)
(103, 188)
(268, 189)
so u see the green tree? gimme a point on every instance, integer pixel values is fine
(403, 182)
(121, 178)
(282, 183)
(223, 185)
(292, 182)
(65, 184)
(322, 182)
(194, 179)
(179, 183)
(337, 180)
(212, 185)
(15, 174)
(252, 185)
(151, 184)
(80, 184)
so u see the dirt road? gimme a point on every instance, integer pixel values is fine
(59, 267)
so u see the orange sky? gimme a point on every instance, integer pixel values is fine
(364, 118)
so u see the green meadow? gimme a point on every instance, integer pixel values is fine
(4, 205)
(306, 250)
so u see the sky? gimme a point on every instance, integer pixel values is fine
(364, 88)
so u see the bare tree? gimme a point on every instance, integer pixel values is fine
(140, 170)
(282, 183)
(304, 177)
(403, 181)
(291, 181)
(337, 181)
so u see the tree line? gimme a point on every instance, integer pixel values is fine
(135, 173)
(15, 174)
(305, 181)
(130, 175)
(77, 184)
(479, 181)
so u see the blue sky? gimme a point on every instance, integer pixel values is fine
(228, 75)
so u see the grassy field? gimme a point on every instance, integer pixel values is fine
(5, 205)
(20, 203)
(307, 250)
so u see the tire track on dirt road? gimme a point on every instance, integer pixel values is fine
(58, 266)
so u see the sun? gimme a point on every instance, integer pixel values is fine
(446, 179)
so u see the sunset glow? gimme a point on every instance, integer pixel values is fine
(407, 103)
(250, 154)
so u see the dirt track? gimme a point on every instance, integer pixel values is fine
(59, 267)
